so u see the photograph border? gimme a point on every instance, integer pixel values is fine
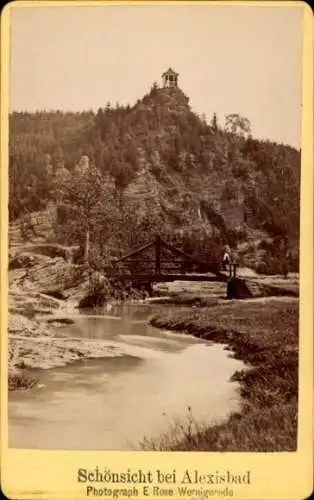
(28, 474)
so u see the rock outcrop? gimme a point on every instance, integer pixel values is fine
(45, 274)
(35, 226)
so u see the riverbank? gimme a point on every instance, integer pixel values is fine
(264, 334)
(35, 341)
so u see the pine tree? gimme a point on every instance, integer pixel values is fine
(214, 123)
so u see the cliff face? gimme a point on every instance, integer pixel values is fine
(33, 227)
(246, 183)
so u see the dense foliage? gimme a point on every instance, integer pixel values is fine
(154, 167)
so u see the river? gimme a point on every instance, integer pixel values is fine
(112, 403)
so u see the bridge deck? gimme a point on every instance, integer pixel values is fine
(154, 278)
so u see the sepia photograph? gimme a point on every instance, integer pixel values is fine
(154, 226)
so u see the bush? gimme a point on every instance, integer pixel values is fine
(265, 245)
(21, 379)
(272, 265)
(98, 291)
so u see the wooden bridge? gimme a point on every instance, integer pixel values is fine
(159, 261)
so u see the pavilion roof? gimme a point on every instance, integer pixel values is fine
(170, 71)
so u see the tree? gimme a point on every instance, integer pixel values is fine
(89, 200)
(214, 123)
(154, 86)
(59, 184)
(123, 174)
(238, 125)
(203, 118)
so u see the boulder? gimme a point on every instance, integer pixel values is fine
(45, 274)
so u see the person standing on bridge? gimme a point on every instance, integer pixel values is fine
(230, 260)
(226, 258)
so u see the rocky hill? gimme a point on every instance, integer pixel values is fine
(166, 170)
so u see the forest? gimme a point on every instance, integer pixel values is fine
(125, 173)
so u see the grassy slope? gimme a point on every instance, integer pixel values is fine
(264, 335)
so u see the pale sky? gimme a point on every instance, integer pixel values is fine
(231, 59)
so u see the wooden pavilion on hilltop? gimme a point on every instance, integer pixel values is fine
(170, 78)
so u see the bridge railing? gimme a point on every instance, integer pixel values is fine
(166, 259)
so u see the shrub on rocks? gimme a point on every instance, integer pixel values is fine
(21, 379)
(98, 292)
(23, 260)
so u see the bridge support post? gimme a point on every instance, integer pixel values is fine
(232, 270)
(157, 249)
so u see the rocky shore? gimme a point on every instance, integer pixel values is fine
(45, 290)
(36, 341)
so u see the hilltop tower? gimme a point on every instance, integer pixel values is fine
(170, 78)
